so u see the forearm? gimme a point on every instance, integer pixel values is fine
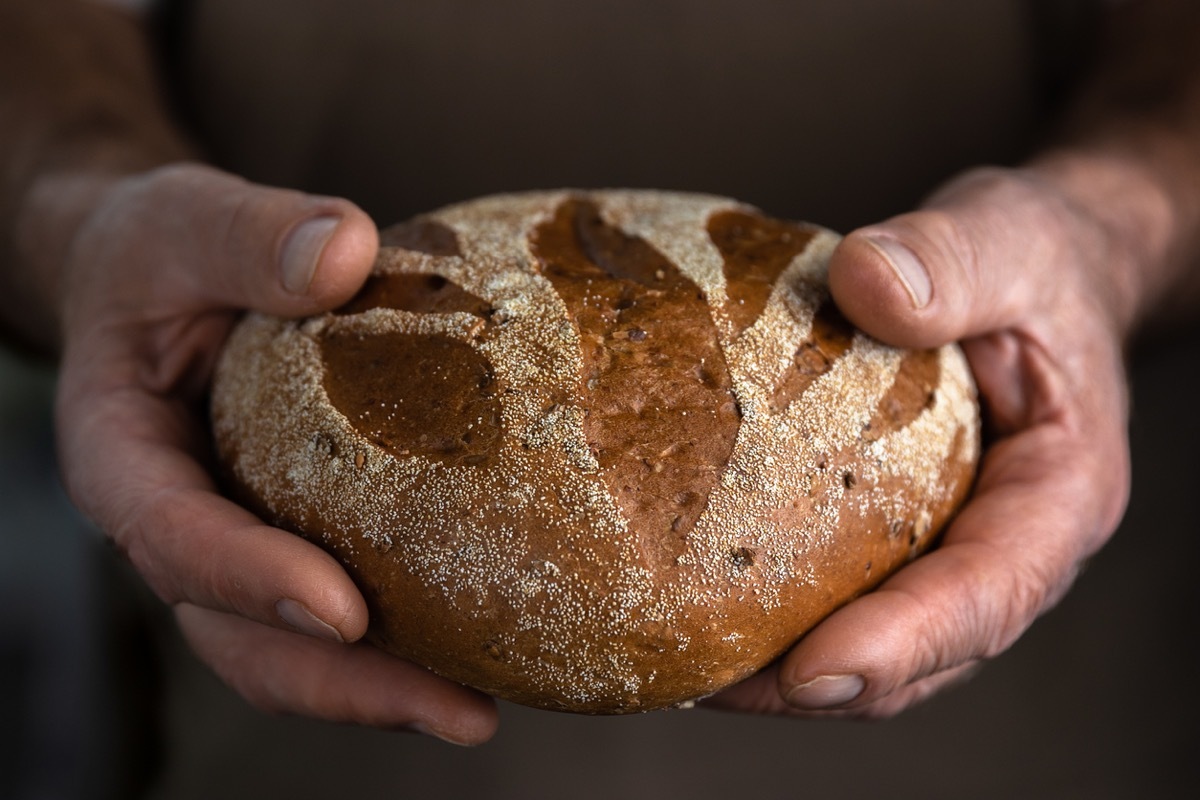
(1129, 154)
(81, 105)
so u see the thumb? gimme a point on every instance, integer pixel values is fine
(954, 269)
(223, 242)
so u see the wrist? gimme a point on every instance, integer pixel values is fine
(43, 230)
(85, 109)
(55, 205)
(1138, 200)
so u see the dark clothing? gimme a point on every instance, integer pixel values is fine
(839, 111)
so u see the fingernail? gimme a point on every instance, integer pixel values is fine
(302, 251)
(296, 615)
(424, 730)
(826, 691)
(908, 268)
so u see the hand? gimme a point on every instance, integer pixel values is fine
(153, 281)
(1005, 262)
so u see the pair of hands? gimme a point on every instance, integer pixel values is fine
(1003, 260)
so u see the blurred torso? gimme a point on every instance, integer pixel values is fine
(840, 111)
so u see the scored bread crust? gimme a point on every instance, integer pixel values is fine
(598, 451)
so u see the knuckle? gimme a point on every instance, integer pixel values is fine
(1027, 598)
(947, 244)
(947, 632)
(1019, 594)
(146, 560)
(236, 220)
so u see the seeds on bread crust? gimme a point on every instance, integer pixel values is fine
(597, 451)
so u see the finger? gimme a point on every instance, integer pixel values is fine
(227, 243)
(280, 672)
(131, 466)
(973, 260)
(210, 552)
(760, 694)
(1012, 552)
(910, 695)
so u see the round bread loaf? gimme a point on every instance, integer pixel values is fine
(597, 451)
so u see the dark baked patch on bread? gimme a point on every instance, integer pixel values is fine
(832, 335)
(415, 395)
(913, 390)
(662, 417)
(756, 250)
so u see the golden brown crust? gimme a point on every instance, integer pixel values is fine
(598, 452)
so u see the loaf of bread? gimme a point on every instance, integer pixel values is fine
(600, 452)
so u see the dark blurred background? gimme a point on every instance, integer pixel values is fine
(383, 102)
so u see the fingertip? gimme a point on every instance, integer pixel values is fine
(216, 555)
(279, 672)
(231, 244)
(862, 652)
(317, 597)
(825, 692)
(880, 285)
(303, 250)
(473, 721)
(300, 618)
(344, 257)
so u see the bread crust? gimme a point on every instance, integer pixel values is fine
(599, 452)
